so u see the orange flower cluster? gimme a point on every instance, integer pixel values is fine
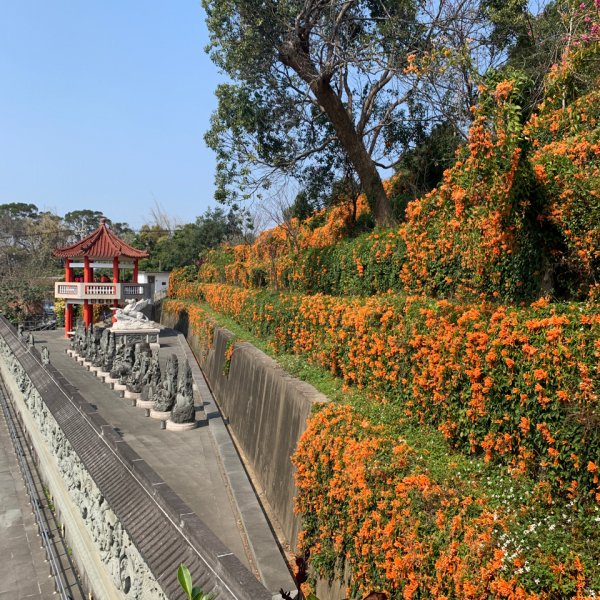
(370, 501)
(470, 235)
(270, 258)
(566, 163)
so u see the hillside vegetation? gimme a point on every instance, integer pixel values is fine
(468, 465)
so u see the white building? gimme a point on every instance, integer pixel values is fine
(158, 280)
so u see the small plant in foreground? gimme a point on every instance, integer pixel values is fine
(185, 581)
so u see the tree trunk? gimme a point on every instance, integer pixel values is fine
(370, 180)
(347, 135)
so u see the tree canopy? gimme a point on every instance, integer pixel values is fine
(328, 89)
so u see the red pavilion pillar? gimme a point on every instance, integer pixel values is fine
(115, 280)
(68, 307)
(135, 270)
(88, 309)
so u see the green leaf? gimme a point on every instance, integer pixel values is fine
(198, 594)
(185, 579)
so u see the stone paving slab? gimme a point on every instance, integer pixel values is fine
(24, 572)
(189, 462)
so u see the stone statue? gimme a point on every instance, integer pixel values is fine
(30, 340)
(165, 398)
(151, 383)
(109, 354)
(86, 343)
(45, 354)
(183, 411)
(122, 362)
(132, 317)
(102, 348)
(77, 341)
(81, 339)
(128, 362)
(94, 347)
(140, 367)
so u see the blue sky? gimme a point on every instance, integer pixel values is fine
(103, 105)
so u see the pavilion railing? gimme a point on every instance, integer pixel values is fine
(101, 291)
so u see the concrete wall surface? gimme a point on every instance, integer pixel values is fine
(267, 410)
(128, 529)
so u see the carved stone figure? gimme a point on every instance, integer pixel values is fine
(109, 355)
(94, 344)
(89, 343)
(77, 341)
(183, 410)
(122, 362)
(101, 348)
(141, 364)
(30, 340)
(45, 354)
(132, 317)
(151, 383)
(127, 364)
(165, 398)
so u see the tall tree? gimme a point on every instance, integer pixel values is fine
(317, 81)
(183, 246)
(16, 219)
(82, 222)
(320, 84)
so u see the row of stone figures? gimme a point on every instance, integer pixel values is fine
(134, 368)
(27, 338)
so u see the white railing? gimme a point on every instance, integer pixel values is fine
(101, 291)
(135, 290)
(66, 290)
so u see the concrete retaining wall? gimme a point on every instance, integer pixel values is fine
(267, 410)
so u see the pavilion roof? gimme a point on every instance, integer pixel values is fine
(102, 243)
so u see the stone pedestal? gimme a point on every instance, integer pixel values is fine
(111, 380)
(102, 374)
(119, 387)
(159, 414)
(133, 335)
(146, 404)
(132, 395)
(180, 426)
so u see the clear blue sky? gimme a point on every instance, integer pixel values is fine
(103, 105)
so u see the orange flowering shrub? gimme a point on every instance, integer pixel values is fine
(369, 503)
(518, 385)
(566, 163)
(367, 498)
(268, 260)
(368, 264)
(472, 235)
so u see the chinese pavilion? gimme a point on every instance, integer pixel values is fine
(101, 249)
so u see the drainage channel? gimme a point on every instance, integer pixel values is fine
(67, 588)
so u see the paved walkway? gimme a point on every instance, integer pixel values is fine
(201, 466)
(23, 572)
